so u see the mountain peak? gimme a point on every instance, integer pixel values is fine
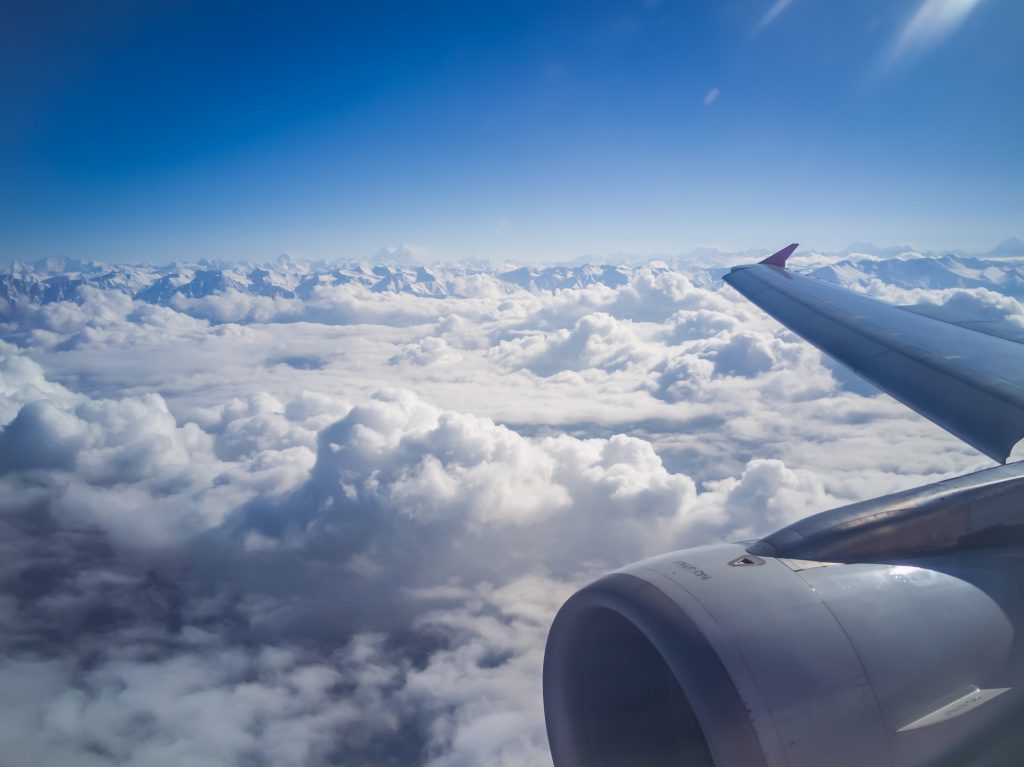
(403, 255)
(1011, 246)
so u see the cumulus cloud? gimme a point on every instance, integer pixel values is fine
(406, 506)
(333, 528)
(431, 350)
(596, 341)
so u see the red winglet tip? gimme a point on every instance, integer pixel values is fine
(779, 259)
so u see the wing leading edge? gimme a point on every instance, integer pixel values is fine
(969, 382)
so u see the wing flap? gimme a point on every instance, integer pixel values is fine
(967, 381)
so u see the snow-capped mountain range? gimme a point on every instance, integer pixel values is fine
(51, 280)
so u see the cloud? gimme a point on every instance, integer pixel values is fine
(431, 350)
(932, 23)
(771, 15)
(403, 498)
(710, 97)
(596, 341)
(691, 325)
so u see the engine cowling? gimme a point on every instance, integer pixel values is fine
(716, 657)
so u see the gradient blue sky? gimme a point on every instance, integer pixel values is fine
(536, 131)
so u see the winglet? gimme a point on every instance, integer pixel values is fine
(779, 259)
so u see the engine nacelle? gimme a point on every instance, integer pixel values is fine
(716, 657)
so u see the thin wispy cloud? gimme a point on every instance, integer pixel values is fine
(932, 23)
(711, 97)
(771, 15)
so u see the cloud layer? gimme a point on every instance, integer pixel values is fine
(333, 529)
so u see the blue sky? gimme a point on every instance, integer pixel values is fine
(536, 131)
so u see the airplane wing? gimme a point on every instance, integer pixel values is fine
(966, 376)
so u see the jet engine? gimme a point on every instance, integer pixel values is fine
(880, 634)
